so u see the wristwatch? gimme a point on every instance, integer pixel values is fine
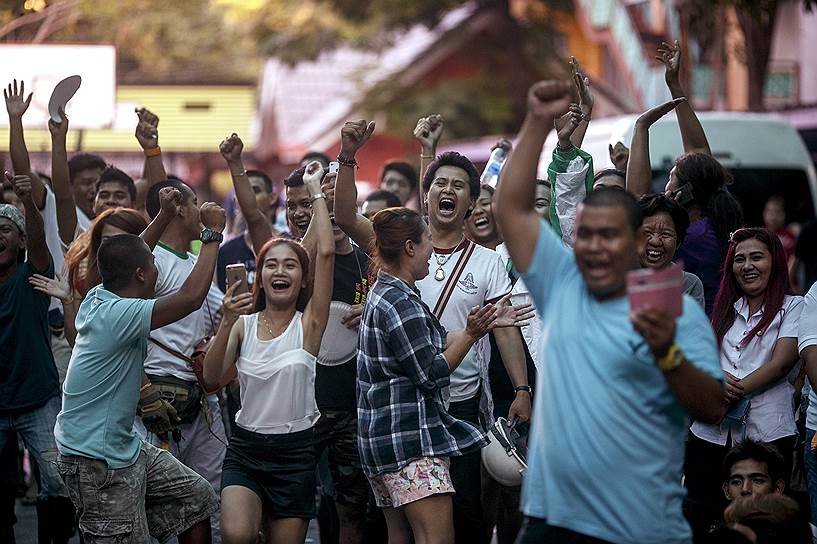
(672, 359)
(210, 235)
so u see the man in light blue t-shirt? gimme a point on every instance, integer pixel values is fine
(606, 451)
(124, 488)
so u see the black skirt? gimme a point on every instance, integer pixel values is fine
(279, 468)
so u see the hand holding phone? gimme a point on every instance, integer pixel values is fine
(659, 289)
(237, 272)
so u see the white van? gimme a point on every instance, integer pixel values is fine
(764, 153)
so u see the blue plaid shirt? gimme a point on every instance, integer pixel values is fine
(402, 374)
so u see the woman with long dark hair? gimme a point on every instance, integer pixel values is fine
(405, 359)
(755, 320)
(268, 476)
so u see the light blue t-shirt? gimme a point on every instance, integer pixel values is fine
(101, 388)
(606, 452)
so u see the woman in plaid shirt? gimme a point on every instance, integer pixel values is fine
(404, 362)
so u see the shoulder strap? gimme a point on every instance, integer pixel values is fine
(171, 351)
(448, 288)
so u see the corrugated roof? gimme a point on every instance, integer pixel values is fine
(192, 119)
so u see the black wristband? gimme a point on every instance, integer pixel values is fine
(525, 388)
(343, 161)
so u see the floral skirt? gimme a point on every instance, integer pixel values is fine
(419, 479)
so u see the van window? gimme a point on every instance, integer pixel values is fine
(754, 186)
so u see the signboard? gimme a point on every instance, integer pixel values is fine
(41, 67)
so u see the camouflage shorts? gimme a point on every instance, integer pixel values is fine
(336, 431)
(156, 496)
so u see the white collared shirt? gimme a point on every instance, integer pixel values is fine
(771, 414)
(806, 337)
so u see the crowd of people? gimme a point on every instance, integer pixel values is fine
(176, 369)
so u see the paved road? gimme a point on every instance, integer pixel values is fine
(26, 529)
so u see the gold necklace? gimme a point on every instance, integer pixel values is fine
(439, 274)
(267, 325)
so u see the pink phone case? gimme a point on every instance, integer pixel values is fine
(660, 289)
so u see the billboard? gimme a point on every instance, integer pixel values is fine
(41, 67)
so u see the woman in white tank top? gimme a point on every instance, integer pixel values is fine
(269, 469)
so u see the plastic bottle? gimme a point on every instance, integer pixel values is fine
(490, 176)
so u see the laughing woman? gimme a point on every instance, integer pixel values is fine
(755, 321)
(269, 469)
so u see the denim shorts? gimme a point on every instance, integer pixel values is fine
(156, 496)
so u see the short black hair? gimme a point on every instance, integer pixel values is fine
(310, 156)
(403, 168)
(652, 204)
(152, 204)
(609, 172)
(452, 158)
(296, 178)
(391, 199)
(118, 258)
(112, 173)
(543, 183)
(265, 178)
(616, 197)
(761, 452)
(84, 161)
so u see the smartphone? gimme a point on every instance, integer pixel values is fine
(334, 166)
(683, 194)
(659, 289)
(236, 272)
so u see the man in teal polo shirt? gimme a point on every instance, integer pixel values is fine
(147, 492)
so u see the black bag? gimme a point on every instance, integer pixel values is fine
(187, 398)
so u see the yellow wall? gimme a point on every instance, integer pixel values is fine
(180, 129)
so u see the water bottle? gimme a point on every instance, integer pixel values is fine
(490, 176)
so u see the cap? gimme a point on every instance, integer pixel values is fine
(14, 215)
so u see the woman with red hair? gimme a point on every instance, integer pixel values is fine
(755, 320)
(268, 475)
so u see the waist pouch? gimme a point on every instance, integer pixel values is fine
(187, 398)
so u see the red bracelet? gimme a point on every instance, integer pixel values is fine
(153, 152)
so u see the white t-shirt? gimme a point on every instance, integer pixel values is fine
(480, 279)
(521, 295)
(183, 335)
(807, 336)
(52, 238)
(83, 221)
(771, 414)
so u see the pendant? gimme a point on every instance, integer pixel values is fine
(439, 275)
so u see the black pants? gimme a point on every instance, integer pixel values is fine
(465, 475)
(704, 477)
(537, 531)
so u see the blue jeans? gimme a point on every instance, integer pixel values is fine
(810, 463)
(36, 427)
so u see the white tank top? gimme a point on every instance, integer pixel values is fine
(277, 379)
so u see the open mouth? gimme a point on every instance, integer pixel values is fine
(750, 277)
(447, 204)
(654, 256)
(481, 222)
(279, 285)
(302, 225)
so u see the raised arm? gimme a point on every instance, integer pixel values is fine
(639, 168)
(692, 133)
(61, 182)
(317, 310)
(147, 134)
(353, 136)
(516, 190)
(586, 101)
(428, 132)
(16, 106)
(226, 345)
(258, 226)
(36, 249)
(170, 201)
(58, 288)
(190, 296)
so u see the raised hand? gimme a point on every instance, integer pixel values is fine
(353, 136)
(582, 84)
(649, 117)
(147, 129)
(58, 130)
(548, 99)
(231, 148)
(22, 187)
(236, 305)
(54, 287)
(567, 124)
(16, 105)
(619, 154)
(313, 175)
(656, 328)
(429, 130)
(170, 201)
(670, 57)
(212, 216)
(328, 189)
